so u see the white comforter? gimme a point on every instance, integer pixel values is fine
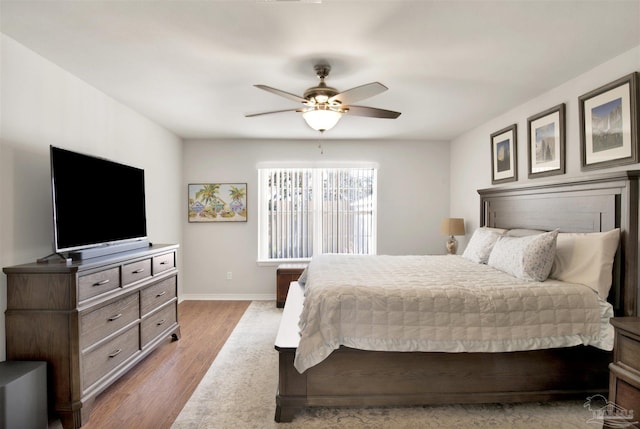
(440, 304)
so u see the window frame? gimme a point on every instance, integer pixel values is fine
(263, 229)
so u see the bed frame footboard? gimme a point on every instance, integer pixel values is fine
(357, 378)
(292, 388)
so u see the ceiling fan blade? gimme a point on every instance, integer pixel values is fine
(250, 115)
(282, 93)
(359, 93)
(372, 112)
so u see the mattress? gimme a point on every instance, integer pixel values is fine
(440, 303)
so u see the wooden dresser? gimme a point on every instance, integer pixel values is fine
(624, 381)
(91, 320)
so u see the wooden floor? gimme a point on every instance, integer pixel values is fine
(152, 394)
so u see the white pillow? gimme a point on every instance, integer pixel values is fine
(527, 258)
(479, 247)
(586, 258)
(500, 231)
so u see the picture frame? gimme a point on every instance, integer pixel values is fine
(547, 142)
(609, 124)
(217, 202)
(504, 155)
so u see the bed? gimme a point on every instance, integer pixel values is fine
(354, 377)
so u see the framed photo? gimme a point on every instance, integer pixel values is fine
(504, 155)
(609, 124)
(546, 135)
(217, 202)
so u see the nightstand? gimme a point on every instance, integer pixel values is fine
(624, 379)
(285, 274)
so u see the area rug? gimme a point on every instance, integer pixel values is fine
(238, 392)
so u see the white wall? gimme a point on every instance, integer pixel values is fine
(44, 105)
(471, 152)
(413, 196)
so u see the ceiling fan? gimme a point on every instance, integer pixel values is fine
(323, 106)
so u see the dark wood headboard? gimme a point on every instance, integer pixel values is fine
(587, 204)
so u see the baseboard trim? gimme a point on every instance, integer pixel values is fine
(226, 297)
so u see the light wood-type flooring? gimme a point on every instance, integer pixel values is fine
(152, 394)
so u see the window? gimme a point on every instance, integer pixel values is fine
(307, 211)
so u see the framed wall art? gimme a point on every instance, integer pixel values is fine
(546, 142)
(217, 202)
(609, 124)
(504, 155)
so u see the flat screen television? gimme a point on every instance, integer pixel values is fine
(96, 203)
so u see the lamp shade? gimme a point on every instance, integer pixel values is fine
(321, 119)
(452, 226)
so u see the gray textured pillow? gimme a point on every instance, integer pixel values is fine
(479, 247)
(527, 258)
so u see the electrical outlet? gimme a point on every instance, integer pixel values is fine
(229, 275)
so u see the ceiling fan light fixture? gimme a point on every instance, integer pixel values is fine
(321, 119)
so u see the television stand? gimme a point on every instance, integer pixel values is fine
(108, 249)
(91, 321)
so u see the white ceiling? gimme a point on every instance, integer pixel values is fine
(450, 65)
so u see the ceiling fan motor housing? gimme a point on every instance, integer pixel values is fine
(319, 95)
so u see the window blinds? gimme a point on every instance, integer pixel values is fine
(328, 210)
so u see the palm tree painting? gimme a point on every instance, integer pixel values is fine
(238, 200)
(217, 202)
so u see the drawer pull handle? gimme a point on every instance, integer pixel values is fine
(161, 322)
(115, 353)
(101, 282)
(138, 271)
(163, 263)
(116, 317)
(161, 293)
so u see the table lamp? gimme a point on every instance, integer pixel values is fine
(452, 226)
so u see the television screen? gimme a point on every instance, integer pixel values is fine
(95, 201)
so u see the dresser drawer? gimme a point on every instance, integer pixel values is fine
(156, 295)
(628, 352)
(100, 361)
(136, 271)
(164, 262)
(158, 322)
(628, 399)
(94, 284)
(106, 320)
